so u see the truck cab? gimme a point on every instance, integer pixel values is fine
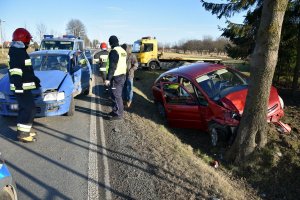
(68, 42)
(146, 50)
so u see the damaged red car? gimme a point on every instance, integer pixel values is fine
(210, 97)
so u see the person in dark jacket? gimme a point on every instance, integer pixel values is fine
(22, 81)
(116, 77)
(132, 65)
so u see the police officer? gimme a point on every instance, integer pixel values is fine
(116, 76)
(22, 81)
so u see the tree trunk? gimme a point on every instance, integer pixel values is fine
(297, 67)
(252, 129)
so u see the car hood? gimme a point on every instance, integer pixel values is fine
(50, 80)
(236, 100)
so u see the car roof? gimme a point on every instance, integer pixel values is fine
(195, 70)
(53, 52)
(62, 39)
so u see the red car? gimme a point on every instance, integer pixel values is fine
(209, 97)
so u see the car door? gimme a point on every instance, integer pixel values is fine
(85, 70)
(76, 73)
(182, 109)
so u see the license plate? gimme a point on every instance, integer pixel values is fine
(14, 106)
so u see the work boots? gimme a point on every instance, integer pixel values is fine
(27, 137)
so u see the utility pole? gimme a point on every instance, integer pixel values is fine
(1, 36)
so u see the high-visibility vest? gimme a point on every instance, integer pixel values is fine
(121, 66)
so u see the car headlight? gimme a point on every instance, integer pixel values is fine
(281, 102)
(2, 96)
(54, 96)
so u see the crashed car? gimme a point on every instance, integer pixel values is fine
(210, 97)
(64, 74)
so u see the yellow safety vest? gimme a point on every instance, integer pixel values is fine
(121, 66)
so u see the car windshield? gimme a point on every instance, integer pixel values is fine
(218, 84)
(50, 45)
(50, 62)
(136, 47)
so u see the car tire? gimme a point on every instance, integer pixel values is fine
(71, 110)
(8, 193)
(218, 133)
(153, 65)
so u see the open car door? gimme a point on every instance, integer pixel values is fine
(182, 109)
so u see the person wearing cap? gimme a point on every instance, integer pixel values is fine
(116, 76)
(22, 81)
(132, 65)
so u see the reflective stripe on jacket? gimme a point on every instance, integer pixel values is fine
(21, 74)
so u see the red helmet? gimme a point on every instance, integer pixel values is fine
(21, 34)
(103, 45)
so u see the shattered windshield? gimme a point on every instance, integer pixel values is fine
(219, 83)
(50, 62)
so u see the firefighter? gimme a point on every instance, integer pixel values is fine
(116, 76)
(103, 60)
(22, 81)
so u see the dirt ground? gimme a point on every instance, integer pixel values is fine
(274, 171)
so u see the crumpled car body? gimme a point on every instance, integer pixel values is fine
(64, 74)
(202, 94)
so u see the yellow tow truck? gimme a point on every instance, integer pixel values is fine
(148, 56)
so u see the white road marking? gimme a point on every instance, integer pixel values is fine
(105, 161)
(93, 187)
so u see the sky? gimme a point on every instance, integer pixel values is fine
(170, 21)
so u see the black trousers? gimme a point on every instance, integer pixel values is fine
(116, 94)
(27, 107)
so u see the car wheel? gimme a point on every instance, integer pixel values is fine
(218, 133)
(71, 110)
(153, 65)
(161, 110)
(8, 193)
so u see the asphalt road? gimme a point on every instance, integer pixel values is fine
(78, 157)
(61, 164)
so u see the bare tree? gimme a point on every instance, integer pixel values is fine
(41, 30)
(252, 130)
(95, 42)
(76, 28)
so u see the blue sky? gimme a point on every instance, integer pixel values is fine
(170, 21)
